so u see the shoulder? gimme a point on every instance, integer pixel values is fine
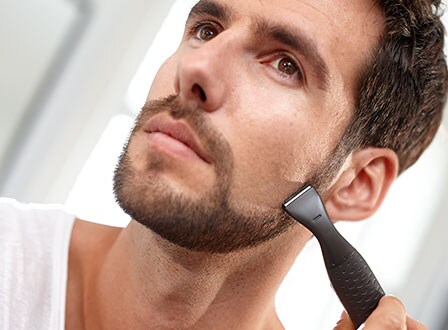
(28, 222)
(33, 237)
(33, 253)
(88, 235)
(11, 209)
(90, 242)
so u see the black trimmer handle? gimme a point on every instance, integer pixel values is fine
(351, 277)
(356, 287)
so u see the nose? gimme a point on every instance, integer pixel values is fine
(202, 74)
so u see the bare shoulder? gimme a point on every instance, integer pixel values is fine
(89, 244)
(91, 239)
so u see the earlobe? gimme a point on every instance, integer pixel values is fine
(363, 184)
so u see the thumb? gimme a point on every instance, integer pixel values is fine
(344, 323)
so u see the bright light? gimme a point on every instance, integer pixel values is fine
(91, 196)
(164, 45)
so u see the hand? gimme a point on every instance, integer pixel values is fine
(389, 315)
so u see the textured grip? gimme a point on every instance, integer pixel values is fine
(357, 287)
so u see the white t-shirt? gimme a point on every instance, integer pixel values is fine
(34, 243)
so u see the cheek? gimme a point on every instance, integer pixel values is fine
(277, 146)
(268, 166)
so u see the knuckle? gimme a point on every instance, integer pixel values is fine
(396, 301)
(394, 321)
(397, 304)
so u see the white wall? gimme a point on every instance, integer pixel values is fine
(31, 35)
(113, 40)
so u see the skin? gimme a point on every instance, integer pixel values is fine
(132, 279)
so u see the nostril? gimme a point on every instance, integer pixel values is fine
(197, 90)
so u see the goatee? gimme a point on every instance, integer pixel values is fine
(211, 222)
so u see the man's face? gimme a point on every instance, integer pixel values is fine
(265, 90)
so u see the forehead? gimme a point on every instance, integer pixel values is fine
(343, 32)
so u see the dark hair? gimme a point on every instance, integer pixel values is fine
(401, 94)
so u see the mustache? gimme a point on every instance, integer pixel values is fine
(211, 139)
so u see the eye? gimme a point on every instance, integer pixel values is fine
(205, 31)
(287, 66)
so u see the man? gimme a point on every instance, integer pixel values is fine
(260, 97)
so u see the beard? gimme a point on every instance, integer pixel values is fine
(209, 222)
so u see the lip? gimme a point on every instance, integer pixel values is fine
(177, 130)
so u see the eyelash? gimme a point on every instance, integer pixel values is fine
(298, 76)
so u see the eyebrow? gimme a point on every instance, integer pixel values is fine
(265, 30)
(213, 9)
(297, 42)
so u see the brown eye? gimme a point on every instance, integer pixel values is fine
(287, 66)
(206, 32)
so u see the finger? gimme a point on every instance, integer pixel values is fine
(344, 323)
(414, 324)
(389, 315)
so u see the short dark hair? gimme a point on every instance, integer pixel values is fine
(402, 92)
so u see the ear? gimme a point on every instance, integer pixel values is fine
(363, 183)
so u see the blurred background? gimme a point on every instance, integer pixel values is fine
(73, 76)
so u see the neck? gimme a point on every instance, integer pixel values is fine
(146, 282)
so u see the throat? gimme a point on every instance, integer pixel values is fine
(146, 282)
